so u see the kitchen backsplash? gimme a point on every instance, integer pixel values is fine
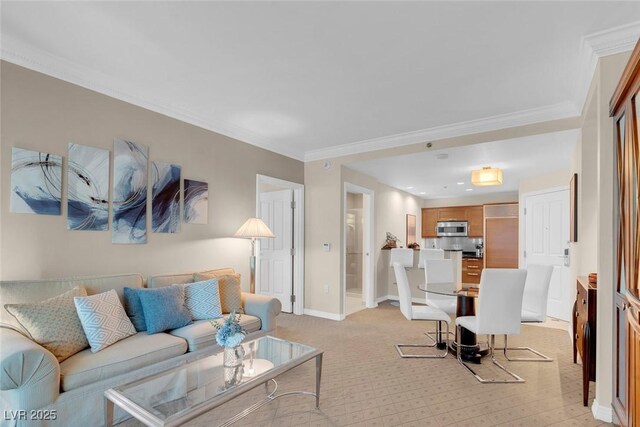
(452, 243)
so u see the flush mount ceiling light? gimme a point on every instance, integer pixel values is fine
(486, 176)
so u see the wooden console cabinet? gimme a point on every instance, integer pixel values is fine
(584, 333)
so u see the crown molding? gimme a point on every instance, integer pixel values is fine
(598, 45)
(503, 121)
(24, 55)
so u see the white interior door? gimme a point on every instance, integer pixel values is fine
(546, 238)
(276, 259)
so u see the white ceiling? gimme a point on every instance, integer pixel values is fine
(428, 177)
(302, 78)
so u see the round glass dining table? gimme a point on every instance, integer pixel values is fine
(465, 306)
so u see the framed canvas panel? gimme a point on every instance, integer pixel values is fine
(196, 202)
(36, 182)
(165, 199)
(87, 188)
(130, 183)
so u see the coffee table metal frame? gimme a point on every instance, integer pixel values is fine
(113, 397)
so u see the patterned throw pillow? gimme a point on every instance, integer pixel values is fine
(133, 307)
(202, 299)
(164, 308)
(103, 319)
(229, 287)
(53, 323)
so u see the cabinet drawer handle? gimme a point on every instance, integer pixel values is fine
(472, 274)
(472, 266)
(583, 301)
(577, 314)
(576, 337)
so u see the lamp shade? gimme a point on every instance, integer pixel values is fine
(486, 176)
(254, 228)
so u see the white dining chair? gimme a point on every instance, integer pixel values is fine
(426, 254)
(498, 313)
(534, 308)
(403, 256)
(418, 312)
(438, 277)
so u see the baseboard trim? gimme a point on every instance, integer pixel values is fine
(601, 412)
(323, 314)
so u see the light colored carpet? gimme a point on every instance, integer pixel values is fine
(366, 383)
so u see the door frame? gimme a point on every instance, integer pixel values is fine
(368, 278)
(298, 236)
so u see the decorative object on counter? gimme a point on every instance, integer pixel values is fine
(573, 208)
(411, 230)
(415, 246)
(196, 202)
(486, 176)
(593, 279)
(36, 182)
(129, 193)
(253, 228)
(391, 241)
(87, 188)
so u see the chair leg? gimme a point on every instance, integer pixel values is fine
(516, 378)
(542, 358)
(441, 355)
(438, 334)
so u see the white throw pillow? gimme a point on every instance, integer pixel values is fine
(103, 319)
(202, 299)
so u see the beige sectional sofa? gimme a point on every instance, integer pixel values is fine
(32, 379)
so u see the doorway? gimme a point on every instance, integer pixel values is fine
(547, 242)
(357, 247)
(280, 261)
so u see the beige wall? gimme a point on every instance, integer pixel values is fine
(43, 113)
(544, 182)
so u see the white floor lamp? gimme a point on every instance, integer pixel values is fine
(253, 228)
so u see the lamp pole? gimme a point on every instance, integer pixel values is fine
(252, 266)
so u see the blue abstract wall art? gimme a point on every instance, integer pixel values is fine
(87, 188)
(36, 182)
(165, 201)
(130, 181)
(196, 202)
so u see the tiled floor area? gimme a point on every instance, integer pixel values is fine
(366, 383)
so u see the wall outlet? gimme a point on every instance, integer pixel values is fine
(326, 289)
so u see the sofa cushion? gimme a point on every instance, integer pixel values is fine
(202, 299)
(133, 308)
(229, 287)
(131, 353)
(103, 319)
(28, 291)
(164, 308)
(53, 323)
(202, 333)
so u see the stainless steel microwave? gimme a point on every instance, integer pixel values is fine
(451, 229)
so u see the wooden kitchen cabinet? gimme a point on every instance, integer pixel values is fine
(429, 221)
(472, 270)
(501, 235)
(475, 218)
(455, 213)
(624, 108)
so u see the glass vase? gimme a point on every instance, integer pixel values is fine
(233, 356)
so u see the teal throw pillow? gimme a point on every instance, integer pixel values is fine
(164, 308)
(133, 307)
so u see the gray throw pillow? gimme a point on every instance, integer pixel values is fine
(202, 299)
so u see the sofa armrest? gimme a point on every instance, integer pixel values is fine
(264, 307)
(30, 374)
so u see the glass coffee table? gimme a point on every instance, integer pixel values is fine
(175, 396)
